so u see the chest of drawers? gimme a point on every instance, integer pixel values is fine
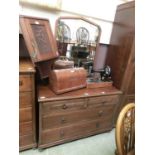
(75, 114)
(27, 129)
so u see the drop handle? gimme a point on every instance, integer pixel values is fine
(64, 106)
(122, 69)
(103, 102)
(100, 113)
(63, 120)
(133, 60)
(85, 105)
(62, 134)
(97, 125)
(20, 83)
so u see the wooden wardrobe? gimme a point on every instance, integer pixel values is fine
(121, 53)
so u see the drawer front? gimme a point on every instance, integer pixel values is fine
(25, 128)
(25, 82)
(76, 131)
(62, 119)
(26, 140)
(25, 99)
(78, 104)
(102, 101)
(129, 99)
(61, 106)
(25, 114)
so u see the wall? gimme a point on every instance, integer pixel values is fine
(101, 12)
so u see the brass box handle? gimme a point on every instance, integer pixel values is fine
(62, 134)
(97, 125)
(100, 113)
(20, 83)
(64, 106)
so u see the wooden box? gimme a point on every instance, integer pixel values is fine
(65, 80)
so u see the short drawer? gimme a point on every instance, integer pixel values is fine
(62, 119)
(61, 106)
(25, 114)
(102, 101)
(25, 83)
(25, 128)
(25, 99)
(75, 131)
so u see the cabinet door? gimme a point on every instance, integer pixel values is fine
(38, 38)
(128, 83)
(131, 87)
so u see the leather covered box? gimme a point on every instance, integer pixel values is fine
(65, 80)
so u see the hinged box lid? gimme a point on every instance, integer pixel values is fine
(39, 38)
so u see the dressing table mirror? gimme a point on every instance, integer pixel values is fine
(78, 39)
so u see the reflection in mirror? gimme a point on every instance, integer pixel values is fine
(77, 40)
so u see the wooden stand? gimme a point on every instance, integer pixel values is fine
(99, 84)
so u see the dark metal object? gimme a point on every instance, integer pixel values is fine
(105, 73)
(79, 52)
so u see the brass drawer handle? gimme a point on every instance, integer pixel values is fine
(20, 83)
(64, 106)
(97, 125)
(103, 102)
(51, 107)
(85, 105)
(63, 120)
(100, 113)
(62, 134)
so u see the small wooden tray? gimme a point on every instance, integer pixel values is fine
(99, 84)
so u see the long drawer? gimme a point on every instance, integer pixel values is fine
(26, 141)
(25, 128)
(25, 99)
(66, 118)
(25, 83)
(25, 114)
(77, 104)
(71, 132)
(129, 99)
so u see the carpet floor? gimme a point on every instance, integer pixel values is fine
(101, 144)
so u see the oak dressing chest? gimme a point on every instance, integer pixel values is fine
(75, 114)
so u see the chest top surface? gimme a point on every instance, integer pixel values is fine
(46, 94)
(26, 66)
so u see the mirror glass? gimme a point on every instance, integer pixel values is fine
(77, 39)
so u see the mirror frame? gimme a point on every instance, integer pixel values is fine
(79, 18)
